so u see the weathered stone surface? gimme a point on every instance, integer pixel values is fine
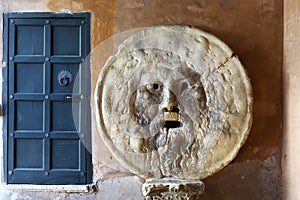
(120, 189)
(174, 101)
(26, 194)
(173, 189)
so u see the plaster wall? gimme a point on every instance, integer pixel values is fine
(252, 28)
(291, 83)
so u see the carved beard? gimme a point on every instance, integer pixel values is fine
(149, 108)
(171, 139)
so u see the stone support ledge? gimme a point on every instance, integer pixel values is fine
(50, 188)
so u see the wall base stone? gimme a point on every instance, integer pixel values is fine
(128, 188)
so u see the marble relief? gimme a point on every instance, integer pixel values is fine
(174, 101)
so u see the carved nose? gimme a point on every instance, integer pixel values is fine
(171, 111)
(170, 101)
(170, 106)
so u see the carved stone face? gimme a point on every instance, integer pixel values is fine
(180, 107)
(161, 104)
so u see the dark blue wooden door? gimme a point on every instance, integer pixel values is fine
(47, 98)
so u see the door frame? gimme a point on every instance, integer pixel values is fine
(5, 83)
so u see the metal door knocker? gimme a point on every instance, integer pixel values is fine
(64, 78)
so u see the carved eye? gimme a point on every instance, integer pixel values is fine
(154, 87)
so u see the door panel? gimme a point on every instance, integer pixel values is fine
(34, 84)
(45, 128)
(35, 34)
(29, 115)
(70, 159)
(60, 40)
(29, 153)
(61, 121)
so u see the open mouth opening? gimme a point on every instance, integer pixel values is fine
(172, 124)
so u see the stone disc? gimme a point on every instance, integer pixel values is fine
(174, 101)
